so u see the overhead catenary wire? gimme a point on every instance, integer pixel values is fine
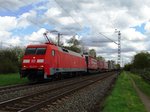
(89, 21)
(108, 38)
(58, 32)
(35, 23)
(32, 22)
(39, 26)
(67, 12)
(119, 35)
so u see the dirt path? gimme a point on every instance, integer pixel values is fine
(145, 99)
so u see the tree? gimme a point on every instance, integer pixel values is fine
(141, 60)
(10, 59)
(73, 48)
(117, 66)
(74, 45)
(73, 41)
(92, 53)
(100, 58)
(128, 67)
(19, 54)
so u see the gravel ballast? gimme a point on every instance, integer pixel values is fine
(84, 100)
(35, 88)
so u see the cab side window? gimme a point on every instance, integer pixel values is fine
(53, 52)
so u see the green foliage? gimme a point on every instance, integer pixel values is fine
(144, 73)
(117, 66)
(128, 67)
(73, 41)
(100, 58)
(73, 48)
(142, 85)
(141, 65)
(123, 97)
(92, 53)
(141, 60)
(73, 45)
(10, 60)
(10, 79)
(8, 66)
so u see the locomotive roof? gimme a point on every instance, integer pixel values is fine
(69, 52)
(38, 45)
(57, 47)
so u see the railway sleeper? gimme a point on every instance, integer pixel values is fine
(33, 100)
(9, 108)
(38, 98)
(43, 96)
(59, 101)
(21, 105)
(26, 102)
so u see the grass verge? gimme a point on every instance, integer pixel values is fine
(123, 97)
(142, 84)
(11, 79)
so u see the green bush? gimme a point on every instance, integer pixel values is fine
(141, 60)
(10, 60)
(7, 66)
(144, 73)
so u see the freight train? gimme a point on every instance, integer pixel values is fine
(46, 61)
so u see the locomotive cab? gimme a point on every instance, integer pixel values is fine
(33, 62)
(47, 61)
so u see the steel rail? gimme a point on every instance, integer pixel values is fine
(30, 102)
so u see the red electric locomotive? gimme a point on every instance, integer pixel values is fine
(48, 60)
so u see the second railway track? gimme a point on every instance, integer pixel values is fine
(36, 100)
(10, 92)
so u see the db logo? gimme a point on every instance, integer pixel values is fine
(33, 60)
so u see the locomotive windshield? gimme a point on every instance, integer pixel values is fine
(40, 51)
(35, 51)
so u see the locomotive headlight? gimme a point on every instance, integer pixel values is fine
(40, 60)
(41, 67)
(24, 67)
(26, 61)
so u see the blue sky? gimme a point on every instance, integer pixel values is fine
(140, 28)
(23, 21)
(16, 13)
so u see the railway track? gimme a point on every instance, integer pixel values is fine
(37, 100)
(5, 88)
(8, 89)
(10, 92)
(7, 93)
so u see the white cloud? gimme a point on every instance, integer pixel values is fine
(147, 27)
(12, 5)
(7, 23)
(113, 46)
(15, 41)
(132, 34)
(27, 19)
(53, 12)
(36, 36)
(66, 20)
(97, 16)
(4, 35)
